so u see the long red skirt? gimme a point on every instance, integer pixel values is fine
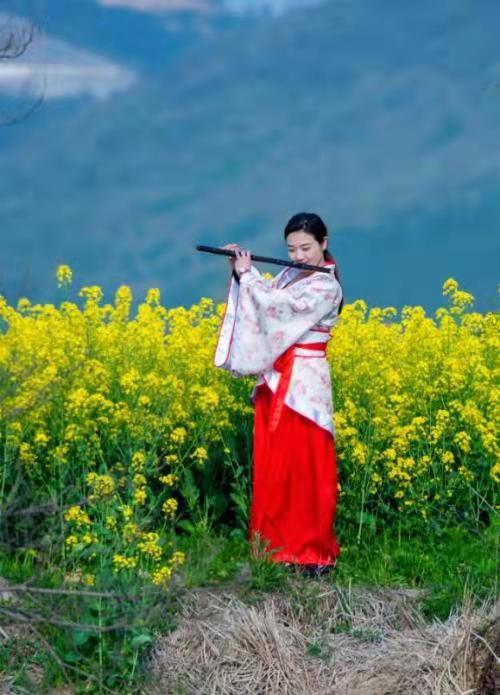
(294, 487)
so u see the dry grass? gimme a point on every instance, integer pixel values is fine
(325, 641)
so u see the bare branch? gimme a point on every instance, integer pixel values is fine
(49, 508)
(15, 39)
(23, 616)
(20, 117)
(66, 592)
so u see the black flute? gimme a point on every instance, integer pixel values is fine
(264, 259)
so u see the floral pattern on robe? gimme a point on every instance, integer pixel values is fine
(264, 318)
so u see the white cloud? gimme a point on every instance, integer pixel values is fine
(239, 7)
(57, 69)
(160, 5)
(56, 81)
(273, 7)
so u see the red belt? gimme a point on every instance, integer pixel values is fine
(284, 365)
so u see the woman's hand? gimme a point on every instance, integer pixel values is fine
(232, 259)
(242, 261)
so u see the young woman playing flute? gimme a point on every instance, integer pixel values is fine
(278, 330)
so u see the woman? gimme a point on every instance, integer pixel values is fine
(279, 329)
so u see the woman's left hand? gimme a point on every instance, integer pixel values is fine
(243, 261)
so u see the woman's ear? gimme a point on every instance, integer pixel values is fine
(324, 243)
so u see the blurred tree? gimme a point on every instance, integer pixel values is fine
(15, 38)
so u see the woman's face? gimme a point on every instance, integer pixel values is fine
(303, 248)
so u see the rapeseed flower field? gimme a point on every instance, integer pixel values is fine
(120, 422)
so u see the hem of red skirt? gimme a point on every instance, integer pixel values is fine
(293, 559)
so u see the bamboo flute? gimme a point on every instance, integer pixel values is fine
(264, 259)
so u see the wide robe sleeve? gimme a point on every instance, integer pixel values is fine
(262, 320)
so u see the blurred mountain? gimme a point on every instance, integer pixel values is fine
(382, 116)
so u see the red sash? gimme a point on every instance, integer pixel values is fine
(284, 365)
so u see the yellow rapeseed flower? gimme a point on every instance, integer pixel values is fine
(450, 286)
(140, 496)
(150, 545)
(130, 531)
(463, 441)
(126, 511)
(92, 294)
(200, 454)
(495, 472)
(120, 562)
(169, 479)
(102, 486)
(64, 275)
(153, 296)
(110, 523)
(41, 439)
(178, 558)
(170, 507)
(138, 461)
(139, 480)
(26, 456)
(161, 576)
(178, 435)
(78, 516)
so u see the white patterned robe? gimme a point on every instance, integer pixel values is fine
(264, 318)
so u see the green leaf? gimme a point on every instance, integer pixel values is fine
(81, 637)
(369, 520)
(186, 525)
(71, 657)
(189, 490)
(141, 640)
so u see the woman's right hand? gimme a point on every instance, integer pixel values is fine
(232, 259)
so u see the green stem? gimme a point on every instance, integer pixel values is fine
(363, 493)
(4, 470)
(134, 664)
(100, 643)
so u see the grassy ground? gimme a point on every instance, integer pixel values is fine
(439, 573)
(446, 566)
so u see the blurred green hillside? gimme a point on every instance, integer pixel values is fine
(381, 116)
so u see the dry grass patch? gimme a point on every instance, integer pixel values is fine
(321, 640)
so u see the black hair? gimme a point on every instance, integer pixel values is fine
(310, 223)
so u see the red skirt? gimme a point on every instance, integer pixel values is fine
(294, 487)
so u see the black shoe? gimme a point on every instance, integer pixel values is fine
(316, 571)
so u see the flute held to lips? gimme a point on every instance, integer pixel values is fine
(265, 259)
